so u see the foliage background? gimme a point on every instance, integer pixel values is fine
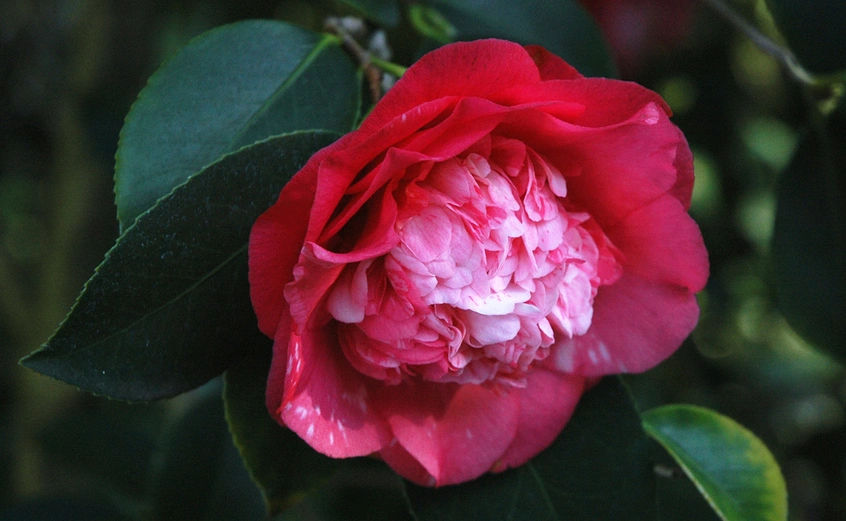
(69, 71)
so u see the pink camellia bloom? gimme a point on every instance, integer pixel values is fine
(443, 283)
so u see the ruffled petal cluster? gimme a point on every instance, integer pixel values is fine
(489, 270)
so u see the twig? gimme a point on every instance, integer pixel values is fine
(784, 56)
(371, 72)
(389, 67)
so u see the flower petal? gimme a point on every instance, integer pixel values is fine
(455, 432)
(546, 404)
(621, 167)
(275, 242)
(326, 401)
(636, 324)
(550, 66)
(662, 243)
(467, 69)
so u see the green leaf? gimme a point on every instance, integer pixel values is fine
(563, 27)
(228, 88)
(383, 12)
(201, 476)
(678, 499)
(282, 465)
(169, 308)
(599, 469)
(431, 24)
(731, 467)
(809, 238)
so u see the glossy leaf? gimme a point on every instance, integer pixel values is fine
(383, 12)
(809, 239)
(563, 27)
(228, 88)
(281, 464)
(678, 498)
(431, 23)
(731, 467)
(599, 469)
(169, 307)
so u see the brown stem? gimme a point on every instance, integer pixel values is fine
(361, 56)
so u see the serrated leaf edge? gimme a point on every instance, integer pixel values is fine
(44, 349)
(324, 39)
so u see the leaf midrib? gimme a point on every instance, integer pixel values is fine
(290, 80)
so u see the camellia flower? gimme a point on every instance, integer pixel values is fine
(443, 283)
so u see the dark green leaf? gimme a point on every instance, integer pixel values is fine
(283, 466)
(201, 477)
(230, 87)
(814, 31)
(678, 497)
(169, 307)
(563, 27)
(383, 12)
(809, 240)
(599, 469)
(731, 467)
(366, 491)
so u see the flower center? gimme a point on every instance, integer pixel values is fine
(490, 270)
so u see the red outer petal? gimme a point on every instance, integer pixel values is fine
(323, 399)
(606, 102)
(456, 433)
(683, 189)
(348, 160)
(469, 120)
(475, 69)
(662, 243)
(312, 280)
(636, 324)
(275, 242)
(405, 465)
(546, 405)
(610, 171)
(277, 375)
(550, 66)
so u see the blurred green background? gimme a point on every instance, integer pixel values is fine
(70, 70)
